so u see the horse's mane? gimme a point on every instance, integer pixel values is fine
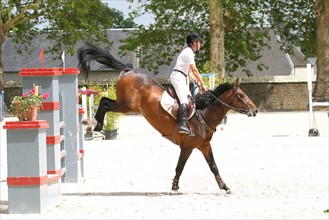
(207, 98)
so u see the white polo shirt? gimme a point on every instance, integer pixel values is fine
(184, 60)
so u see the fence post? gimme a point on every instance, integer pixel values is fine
(81, 141)
(2, 106)
(3, 139)
(68, 84)
(313, 131)
(28, 180)
(47, 79)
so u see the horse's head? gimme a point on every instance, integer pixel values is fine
(237, 100)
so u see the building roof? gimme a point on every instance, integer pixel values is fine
(278, 62)
(13, 62)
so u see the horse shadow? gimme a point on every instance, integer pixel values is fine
(146, 194)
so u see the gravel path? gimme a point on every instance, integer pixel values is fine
(275, 171)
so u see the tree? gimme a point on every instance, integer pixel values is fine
(118, 19)
(245, 24)
(160, 42)
(66, 22)
(321, 90)
(217, 37)
(305, 23)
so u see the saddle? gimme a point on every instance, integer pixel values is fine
(170, 103)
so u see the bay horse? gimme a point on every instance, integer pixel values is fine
(139, 93)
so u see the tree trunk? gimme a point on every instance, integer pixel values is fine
(2, 84)
(217, 37)
(321, 90)
(2, 39)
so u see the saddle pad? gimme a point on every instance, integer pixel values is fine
(169, 104)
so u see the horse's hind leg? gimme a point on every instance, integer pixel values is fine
(184, 155)
(208, 155)
(105, 105)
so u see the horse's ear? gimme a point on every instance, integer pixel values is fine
(236, 83)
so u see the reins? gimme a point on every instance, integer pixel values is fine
(222, 102)
(200, 118)
(227, 105)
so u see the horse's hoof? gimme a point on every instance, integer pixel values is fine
(174, 188)
(85, 122)
(174, 192)
(228, 191)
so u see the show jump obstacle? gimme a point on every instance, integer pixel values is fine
(313, 131)
(44, 153)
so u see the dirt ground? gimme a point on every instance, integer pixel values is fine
(273, 168)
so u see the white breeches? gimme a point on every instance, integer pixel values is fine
(181, 85)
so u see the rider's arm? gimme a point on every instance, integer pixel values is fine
(196, 77)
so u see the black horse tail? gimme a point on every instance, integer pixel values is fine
(90, 52)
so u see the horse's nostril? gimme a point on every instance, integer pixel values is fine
(255, 112)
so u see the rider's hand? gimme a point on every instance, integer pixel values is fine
(202, 86)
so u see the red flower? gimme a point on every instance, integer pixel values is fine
(32, 91)
(45, 95)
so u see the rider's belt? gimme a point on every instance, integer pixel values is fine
(176, 70)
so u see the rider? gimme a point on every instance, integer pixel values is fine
(185, 70)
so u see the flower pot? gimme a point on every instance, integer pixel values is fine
(111, 134)
(27, 115)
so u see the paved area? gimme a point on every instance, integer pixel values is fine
(274, 169)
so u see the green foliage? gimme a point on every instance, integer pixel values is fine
(160, 43)
(67, 22)
(206, 68)
(64, 22)
(246, 29)
(295, 22)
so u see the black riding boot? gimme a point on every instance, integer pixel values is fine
(182, 120)
(98, 120)
(98, 126)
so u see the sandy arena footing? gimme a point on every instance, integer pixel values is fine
(274, 169)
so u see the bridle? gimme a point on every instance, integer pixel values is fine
(243, 110)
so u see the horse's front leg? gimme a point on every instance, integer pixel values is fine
(185, 153)
(208, 155)
(104, 106)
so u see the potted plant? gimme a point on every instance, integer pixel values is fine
(27, 105)
(110, 126)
